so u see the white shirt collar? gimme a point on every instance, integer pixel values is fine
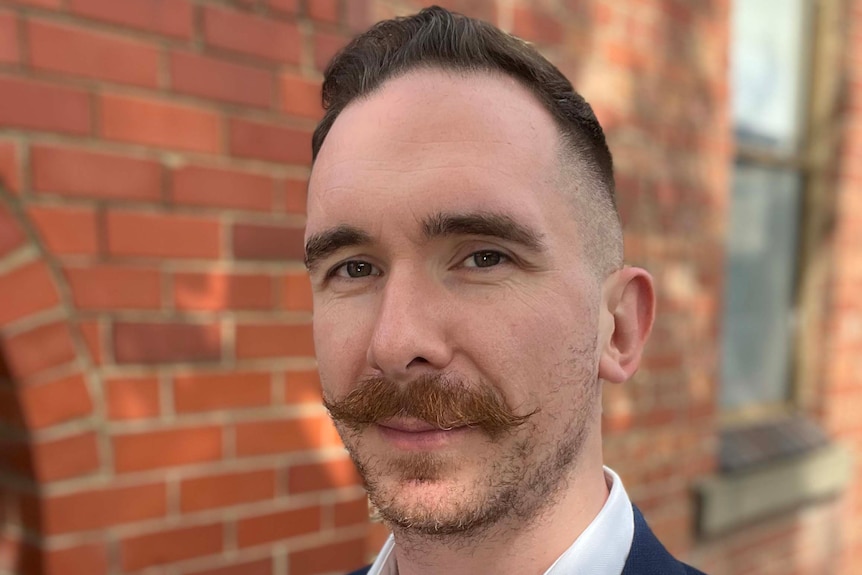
(601, 549)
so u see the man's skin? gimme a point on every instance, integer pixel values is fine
(465, 258)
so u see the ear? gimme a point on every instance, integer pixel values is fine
(627, 314)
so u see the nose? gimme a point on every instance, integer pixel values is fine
(410, 335)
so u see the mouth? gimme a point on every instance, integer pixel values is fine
(415, 434)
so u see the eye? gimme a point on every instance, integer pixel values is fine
(484, 259)
(355, 269)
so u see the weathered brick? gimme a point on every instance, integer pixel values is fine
(320, 476)
(114, 287)
(166, 342)
(170, 546)
(100, 507)
(161, 448)
(252, 35)
(257, 567)
(170, 17)
(55, 401)
(530, 23)
(295, 197)
(9, 51)
(220, 80)
(222, 188)
(325, 10)
(348, 513)
(26, 290)
(66, 230)
(91, 333)
(287, 6)
(132, 397)
(273, 341)
(268, 242)
(159, 123)
(10, 174)
(296, 290)
(271, 143)
(89, 174)
(81, 52)
(154, 235)
(301, 97)
(325, 47)
(280, 436)
(278, 526)
(38, 349)
(41, 106)
(302, 387)
(332, 557)
(221, 291)
(226, 489)
(214, 391)
(91, 559)
(66, 457)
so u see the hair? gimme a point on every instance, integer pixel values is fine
(436, 38)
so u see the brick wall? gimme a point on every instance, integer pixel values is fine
(158, 402)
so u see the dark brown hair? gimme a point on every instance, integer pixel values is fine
(437, 38)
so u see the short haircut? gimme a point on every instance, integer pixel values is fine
(436, 38)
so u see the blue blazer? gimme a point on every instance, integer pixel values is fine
(647, 555)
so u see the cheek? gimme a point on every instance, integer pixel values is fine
(341, 340)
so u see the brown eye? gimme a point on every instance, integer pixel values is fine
(356, 269)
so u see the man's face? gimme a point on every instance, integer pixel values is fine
(446, 260)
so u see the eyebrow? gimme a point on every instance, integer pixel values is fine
(327, 242)
(486, 224)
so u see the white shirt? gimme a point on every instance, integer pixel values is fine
(601, 549)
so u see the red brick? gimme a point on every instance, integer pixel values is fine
(325, 10)
(170, 17)
(534, 25)
(295, 197)
(320, 476)
(132, 397)
(85, 53)
(9, 38)
(87, 174)
(166, 448)
(326, 46)
(114, 287)
(288, 6)
(10, 177)
(66, 457)
(301, 97)
(170, 545)
(26, 290)
(40, 106)
(56, 401)
(273, 340)
(214, 491)
(271, 143)
(91, 333)
(66, 230)
(277, 526)
(99, 508)
(259, 567)
(166, 342)
(351, 512)
(268, 242)
(156, 235)
(39, 3)
(220, 80)
(214, 391)
(16, 457)
(91, 559)
(40, 348)
(252, 35)
(159, 123)
(221, 291)
(302, 387)
(296, 289)
(220, 188)
(280, 436)
(332, 557)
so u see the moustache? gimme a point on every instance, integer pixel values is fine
(441, 401)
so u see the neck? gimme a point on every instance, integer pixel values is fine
(516, 545)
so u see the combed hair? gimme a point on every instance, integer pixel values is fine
(436, 38)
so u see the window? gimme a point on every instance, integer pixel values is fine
(769, 52)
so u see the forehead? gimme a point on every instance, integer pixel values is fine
(434, 141)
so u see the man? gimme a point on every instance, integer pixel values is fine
(470, 300)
